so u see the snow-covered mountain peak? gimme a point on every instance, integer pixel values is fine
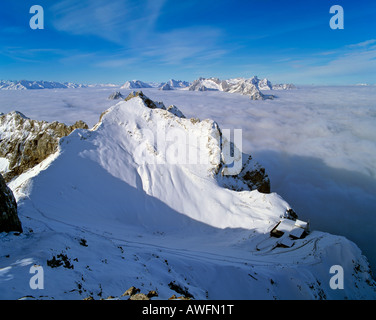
(135, 84)
(188, 142)
(142, 199)
(15, 115)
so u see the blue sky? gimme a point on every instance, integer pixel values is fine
(102, 41)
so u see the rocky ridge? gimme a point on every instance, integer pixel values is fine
(25, 142)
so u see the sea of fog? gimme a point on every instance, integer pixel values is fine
(318, 144)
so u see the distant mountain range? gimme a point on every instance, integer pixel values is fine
(251, 86)
(169, 85)
(35, 85)
(29, 85)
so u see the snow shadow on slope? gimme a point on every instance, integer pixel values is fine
(337, 201)
(78, 192)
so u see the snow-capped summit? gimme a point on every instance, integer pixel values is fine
(175, 84)
(209, 84)
(135, 84)
(265, 84)
(166, 87)
(248, 87)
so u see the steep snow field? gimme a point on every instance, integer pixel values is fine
(318, 145)
(215, 245)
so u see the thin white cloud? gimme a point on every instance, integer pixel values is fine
(180, 45)
(362, 44)
(114, 20)
(132, 25)
(116, 62)
(349, 64)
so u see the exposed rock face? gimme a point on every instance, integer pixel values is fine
(254, 176)
(174, 110)
(154, 104)
(166, 87)
(116, 96)
(150, 103)
(9, 220)
(134, 294)
(139, 296)
(131, 291)
(251, 177)
(26, 143)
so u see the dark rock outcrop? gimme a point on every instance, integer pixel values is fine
(26, 143)
(154, 104)
(251, 177)
(255, 176)
(134, 294)
(149, 103)
(9, 220)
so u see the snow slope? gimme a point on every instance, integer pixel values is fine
(116, 211)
